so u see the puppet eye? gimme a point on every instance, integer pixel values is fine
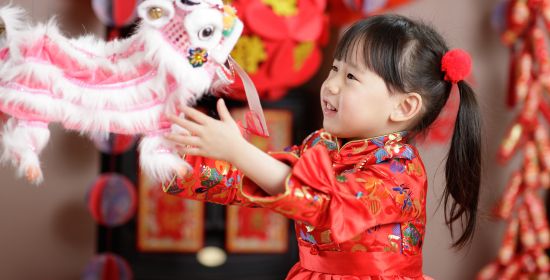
(206, 32)
(189, 2)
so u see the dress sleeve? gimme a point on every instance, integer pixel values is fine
(347, 203)
(210, 180)
(220, 182)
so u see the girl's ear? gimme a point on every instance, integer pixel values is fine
(408, 106)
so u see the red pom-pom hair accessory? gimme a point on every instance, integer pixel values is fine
(457, 65)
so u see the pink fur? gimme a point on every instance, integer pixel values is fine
(99, 87)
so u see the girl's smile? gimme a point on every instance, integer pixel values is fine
(329, 110)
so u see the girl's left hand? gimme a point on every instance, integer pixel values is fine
(208, 137)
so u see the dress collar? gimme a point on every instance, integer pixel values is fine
(368, 151)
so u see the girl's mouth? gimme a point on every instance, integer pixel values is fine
(329, 108)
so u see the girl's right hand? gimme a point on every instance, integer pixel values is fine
(208, 137)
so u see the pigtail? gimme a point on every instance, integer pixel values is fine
(463, 168)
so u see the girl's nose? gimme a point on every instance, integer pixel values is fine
(332, 87)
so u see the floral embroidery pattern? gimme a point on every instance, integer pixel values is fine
(197, 57)
(411, 237)
(394, 240)
(403, 198)
(396, 166)
(210, 177)
(414, 169)
(307, 237)
(341, 178)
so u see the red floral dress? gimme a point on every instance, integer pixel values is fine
(359, 207)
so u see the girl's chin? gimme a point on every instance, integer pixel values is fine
(332, 131)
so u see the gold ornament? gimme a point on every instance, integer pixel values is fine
(156, 13)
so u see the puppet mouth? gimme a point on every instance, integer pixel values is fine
(226, 72)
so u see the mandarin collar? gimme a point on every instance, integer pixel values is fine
(379, 147)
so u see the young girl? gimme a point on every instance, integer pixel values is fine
(356, 188)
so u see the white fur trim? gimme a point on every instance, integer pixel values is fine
(21, 145)
(158, 159)
(13, 19)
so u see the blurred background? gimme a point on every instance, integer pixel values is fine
(49, 232)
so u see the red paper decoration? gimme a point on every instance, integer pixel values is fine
(167, 223)
(522, 254)
(344, 12)
(115, 144)
(107, 266)
(112, 199)
(280, 46)
(115, 13)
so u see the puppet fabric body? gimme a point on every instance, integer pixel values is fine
(95, 87)
(359, 208)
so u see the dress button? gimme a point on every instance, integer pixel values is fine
(335, 155)
(314, 250)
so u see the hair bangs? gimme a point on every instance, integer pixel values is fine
(377, 45)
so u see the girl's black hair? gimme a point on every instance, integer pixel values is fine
(407, 55)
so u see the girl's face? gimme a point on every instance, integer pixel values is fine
(356, 103)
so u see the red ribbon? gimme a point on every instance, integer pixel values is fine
(361, 263)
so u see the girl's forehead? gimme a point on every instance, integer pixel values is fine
(353, 53)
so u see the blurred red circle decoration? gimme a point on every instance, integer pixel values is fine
(280, 45)
(112, 199)
(115, 144)
(107, 266)
(115, 13)
(344, 12)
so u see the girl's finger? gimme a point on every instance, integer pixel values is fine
(192, 127)
(223, 112)
(183, 140)
(195, 115)
(191, 151)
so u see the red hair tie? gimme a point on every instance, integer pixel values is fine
(457, 65)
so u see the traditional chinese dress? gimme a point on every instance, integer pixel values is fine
(359, 208)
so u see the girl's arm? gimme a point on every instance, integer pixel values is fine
(310, 191)
(222, 139)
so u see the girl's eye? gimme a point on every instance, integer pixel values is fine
(351, 77)
(334, 68)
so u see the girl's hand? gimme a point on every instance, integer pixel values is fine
(222, 139)
(208, 137)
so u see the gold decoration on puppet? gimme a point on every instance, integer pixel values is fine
(155, 13)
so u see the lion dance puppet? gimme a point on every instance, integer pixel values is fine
(179, 52)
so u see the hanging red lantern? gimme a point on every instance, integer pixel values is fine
(284, 57)
(115, 13)
(115, 143)
(112, 200)
(107, 266)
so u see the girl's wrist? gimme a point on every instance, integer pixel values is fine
(238, 150)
